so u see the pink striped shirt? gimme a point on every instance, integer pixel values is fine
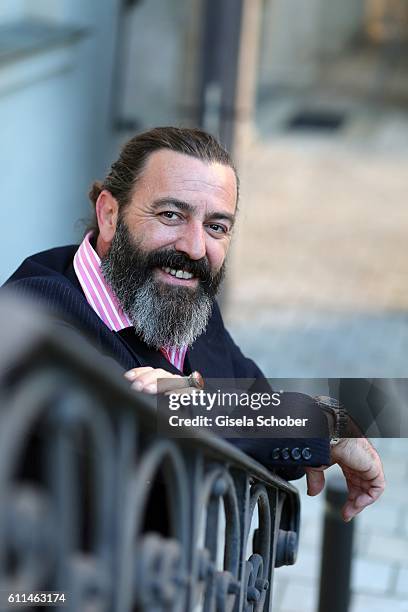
(100, 297)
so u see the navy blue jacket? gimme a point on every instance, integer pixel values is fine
(50, 278)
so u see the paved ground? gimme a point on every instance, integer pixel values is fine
(320, 251)
(319, 273)
(380, 561)
(323, 226)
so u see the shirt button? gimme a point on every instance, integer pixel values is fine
(296, 454)
(306, 453)
(285, 453)
(275, 454)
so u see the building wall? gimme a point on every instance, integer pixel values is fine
(55, 126)
(298, 34)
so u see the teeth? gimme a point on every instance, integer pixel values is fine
(178, 273)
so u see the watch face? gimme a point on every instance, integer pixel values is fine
(330, 402)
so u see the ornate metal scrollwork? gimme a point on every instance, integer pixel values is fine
(221, 586)
(79, 459)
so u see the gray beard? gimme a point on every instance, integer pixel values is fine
(163, 315)
(171, 318)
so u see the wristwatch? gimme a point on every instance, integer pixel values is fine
(338, 419)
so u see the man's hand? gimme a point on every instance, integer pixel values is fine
(363, 471)
(145, 379)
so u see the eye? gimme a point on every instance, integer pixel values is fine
(217, 228)
(170, 215)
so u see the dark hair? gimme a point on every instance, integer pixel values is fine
(125, 172)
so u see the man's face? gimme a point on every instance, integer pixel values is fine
(165, 261)
(183, 204)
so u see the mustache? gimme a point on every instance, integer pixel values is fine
(199, 268)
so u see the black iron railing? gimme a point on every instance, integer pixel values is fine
(94, 503)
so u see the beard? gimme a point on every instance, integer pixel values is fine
(162, 314)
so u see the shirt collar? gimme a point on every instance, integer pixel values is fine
(87, 266)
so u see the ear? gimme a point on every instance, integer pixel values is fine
(106, 208)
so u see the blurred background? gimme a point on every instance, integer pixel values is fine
(311, 96)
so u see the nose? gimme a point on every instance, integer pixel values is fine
(192, 241)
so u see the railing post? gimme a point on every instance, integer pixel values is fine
(337, 546)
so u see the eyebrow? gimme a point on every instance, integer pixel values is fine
(189, 208)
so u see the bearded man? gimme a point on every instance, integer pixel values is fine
(143, 282)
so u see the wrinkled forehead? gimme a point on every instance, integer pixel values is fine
(171, 174)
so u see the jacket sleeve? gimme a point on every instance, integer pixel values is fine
(286, 456)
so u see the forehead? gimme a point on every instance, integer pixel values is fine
(172, 174)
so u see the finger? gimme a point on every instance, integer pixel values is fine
(358, 500)
(353, 507)
(135, 372)
(148, 382)
(315, 481)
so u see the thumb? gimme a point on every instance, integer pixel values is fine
(315, 481)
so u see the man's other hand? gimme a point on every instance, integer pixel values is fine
(145, 380)
(362, 469)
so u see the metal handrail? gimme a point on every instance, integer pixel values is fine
(95, 503)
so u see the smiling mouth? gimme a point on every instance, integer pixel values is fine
(181, 274)
(178, 276)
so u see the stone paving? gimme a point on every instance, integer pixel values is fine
(380, 561)
(318, 288)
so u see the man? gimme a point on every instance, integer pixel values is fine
(143, 282)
